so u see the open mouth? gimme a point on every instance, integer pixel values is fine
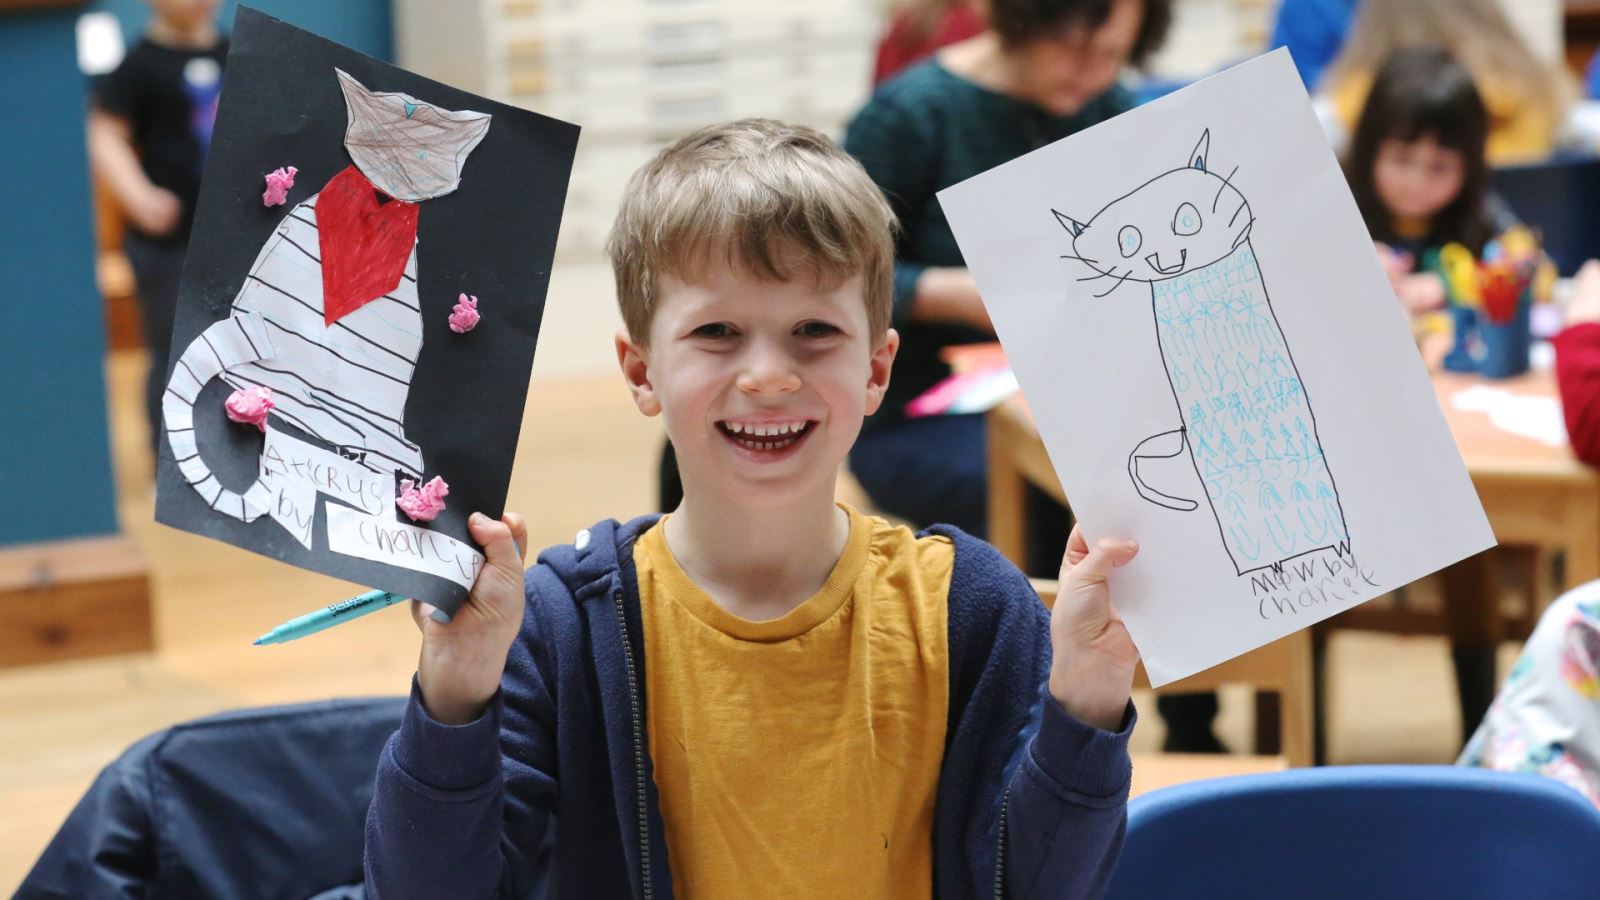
(766, 437)
(1154, 262)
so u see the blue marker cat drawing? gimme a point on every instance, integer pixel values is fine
(1244, 418)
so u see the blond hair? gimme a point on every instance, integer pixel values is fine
(1477, 34)
(771, 199)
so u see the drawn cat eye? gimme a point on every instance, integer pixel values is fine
(1186, 220)
(1128, 240)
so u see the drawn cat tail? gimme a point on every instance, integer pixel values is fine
(1153, 447)
(234, 341)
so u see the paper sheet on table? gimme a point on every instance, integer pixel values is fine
(1279, 458)
(1536, 418)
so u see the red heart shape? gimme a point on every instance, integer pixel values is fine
(364, 243)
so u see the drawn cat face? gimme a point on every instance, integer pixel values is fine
(1177, 222)
(408, 149)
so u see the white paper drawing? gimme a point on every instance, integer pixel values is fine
(1218, 367)
(1247, 424)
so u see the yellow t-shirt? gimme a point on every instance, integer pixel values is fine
(799, 757)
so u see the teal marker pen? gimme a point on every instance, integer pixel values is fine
(343, 611)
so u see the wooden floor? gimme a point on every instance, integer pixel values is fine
(584, 454)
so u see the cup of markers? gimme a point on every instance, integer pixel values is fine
(1491, 301)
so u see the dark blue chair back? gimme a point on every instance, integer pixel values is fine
(267, 803)
(1559, 199)
(1373, 832)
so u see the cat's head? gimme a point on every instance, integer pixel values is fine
(408, 149)
(1177, 222)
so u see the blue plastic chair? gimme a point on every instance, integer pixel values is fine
(1372, 832)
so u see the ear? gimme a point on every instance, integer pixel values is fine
(1072, 225)
(1197, 159)
(878, 373)
(635, 364)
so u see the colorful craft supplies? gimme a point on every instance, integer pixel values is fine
(1490, 300)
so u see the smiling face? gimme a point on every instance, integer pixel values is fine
(763, 385)
(1180, 221)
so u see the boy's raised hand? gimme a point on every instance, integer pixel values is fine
(462, 659)
(1094, 658)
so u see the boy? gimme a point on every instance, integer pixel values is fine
(148, 128)
(763, 693)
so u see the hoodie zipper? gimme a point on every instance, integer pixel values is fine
(638, 749)
(1000, 850)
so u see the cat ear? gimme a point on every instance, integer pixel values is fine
(1070, 224)
(1197, 159)
(353, 90)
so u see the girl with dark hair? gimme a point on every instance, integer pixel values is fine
(1418, 169)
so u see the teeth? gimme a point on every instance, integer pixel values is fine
(771, 430)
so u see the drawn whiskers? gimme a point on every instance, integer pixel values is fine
(1118, 284)
(1224, 187)
(1084, 259)
(1243, 233)
(1099, 275)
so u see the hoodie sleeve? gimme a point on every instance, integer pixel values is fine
(462, 811)
(1067, 811)
(1053, 813)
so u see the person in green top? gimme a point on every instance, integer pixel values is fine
(1042, 70)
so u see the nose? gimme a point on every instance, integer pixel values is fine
(767, 369)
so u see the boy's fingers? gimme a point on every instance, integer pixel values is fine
(1077, 545)
(1096, 565)
(519, 532)
(421, 611)
(499, 544)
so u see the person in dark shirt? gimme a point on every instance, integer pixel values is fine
(149, 124)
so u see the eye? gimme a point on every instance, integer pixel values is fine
(1128, 240)
(815, 329)
(713, 330)
(1186, 220)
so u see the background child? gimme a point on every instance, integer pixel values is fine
(764, 693)
(1418, 171)
(1417, 168)
(149, 125)
(1547, 717)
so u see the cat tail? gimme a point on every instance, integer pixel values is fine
(234, 341)
(1144, 450)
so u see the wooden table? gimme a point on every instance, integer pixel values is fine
(1533, 494)
(1154, 771)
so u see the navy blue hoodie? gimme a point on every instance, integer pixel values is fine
(1031, 802)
